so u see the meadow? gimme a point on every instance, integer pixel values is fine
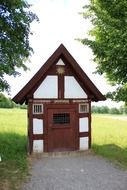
(13, 130)
(109, 139)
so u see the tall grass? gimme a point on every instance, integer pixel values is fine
(109, 137)
(12, 147)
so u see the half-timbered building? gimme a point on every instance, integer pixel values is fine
(59, 105)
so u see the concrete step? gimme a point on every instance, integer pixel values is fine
(62, 154)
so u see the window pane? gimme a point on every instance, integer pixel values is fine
(83, 108)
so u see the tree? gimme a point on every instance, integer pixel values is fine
(114, 111)
(109, 42)
(102, 109)
(15, 19)
(123, 109)
(6, 102)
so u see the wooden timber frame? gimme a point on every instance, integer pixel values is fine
(59, 100)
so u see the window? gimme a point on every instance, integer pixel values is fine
(37, 108)
(61, 118)
(84, 108)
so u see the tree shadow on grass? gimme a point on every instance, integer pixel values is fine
(12, 145)
(112, 152)
(13, 167)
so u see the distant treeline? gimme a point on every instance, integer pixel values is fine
(6, 102)
(107, 110)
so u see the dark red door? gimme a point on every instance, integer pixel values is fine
(61, 130)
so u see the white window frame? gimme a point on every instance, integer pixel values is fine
(36, 108)
(86, 109)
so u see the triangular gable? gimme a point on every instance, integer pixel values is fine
(57, 57)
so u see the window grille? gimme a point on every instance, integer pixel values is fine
(84, 108)
(37, 108)
(61, 118)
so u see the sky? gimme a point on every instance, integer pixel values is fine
(59, 22)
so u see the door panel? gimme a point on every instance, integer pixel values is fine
(61, 130)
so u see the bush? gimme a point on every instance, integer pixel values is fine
(5, 102)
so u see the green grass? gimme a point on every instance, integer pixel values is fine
(13, 167)
(109, 137)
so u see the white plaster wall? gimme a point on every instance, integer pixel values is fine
(83, 124)
(84, 143)
(38, 146)
(37, 126)
(73, 89)
(48, 88)
(60, 62)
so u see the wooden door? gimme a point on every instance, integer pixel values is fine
(61, 130)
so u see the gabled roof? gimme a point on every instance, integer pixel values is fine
(61, 51)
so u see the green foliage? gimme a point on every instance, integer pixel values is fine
(13, 143)
(102, 109)
(114, 111)
(15, 19)
(123, 109)
(106, 110)
(6, 102)
(109, 42)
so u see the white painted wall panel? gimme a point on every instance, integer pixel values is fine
(84, 143)
(60, 62)
(37, 126)
(38, 146)
(48, 88)
(83, 124)
(73, 89)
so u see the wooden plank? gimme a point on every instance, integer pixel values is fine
(90, 125)
(84, 134)
(38, 137)
(30, 127)
(81, 115)
(38, 116)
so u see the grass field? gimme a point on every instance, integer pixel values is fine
(109, 137)
(12, 148)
